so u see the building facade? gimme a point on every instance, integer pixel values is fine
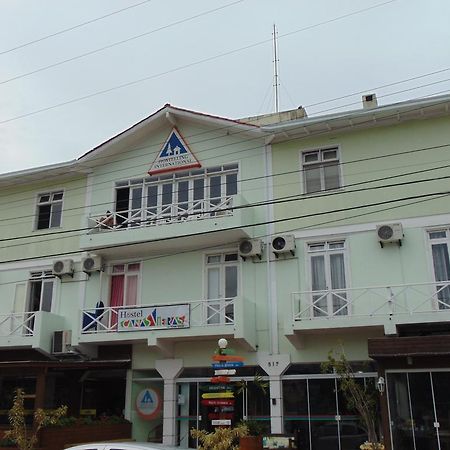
(289, 236)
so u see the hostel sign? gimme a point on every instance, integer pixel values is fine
(153, 318)
(174, 155)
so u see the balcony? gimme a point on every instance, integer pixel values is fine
(384, 307)
(206, 222)
(162, 325)
(29, 330)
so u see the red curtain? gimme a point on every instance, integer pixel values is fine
(116, 300)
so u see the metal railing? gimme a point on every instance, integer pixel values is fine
(372, 301)
(201, 313)
(159, 215)
(17, 324)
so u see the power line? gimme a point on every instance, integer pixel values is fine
(212, 247)
(261, 177)
(123, 41)
(340, 117)
(188, 65)
(274, 221)
(293, 198)
(65, 30)
(258, 147)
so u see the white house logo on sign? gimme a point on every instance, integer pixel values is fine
(174, 155)
(148, 403)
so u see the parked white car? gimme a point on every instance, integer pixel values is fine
(122, 446)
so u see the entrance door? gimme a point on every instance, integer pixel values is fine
(419, 410)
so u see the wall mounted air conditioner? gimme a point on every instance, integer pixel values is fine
(250, 247)
(62, 341)
(91, 264)
(284, 243)
(63, 267)
(392, 232)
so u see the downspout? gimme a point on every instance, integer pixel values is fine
(272, 300)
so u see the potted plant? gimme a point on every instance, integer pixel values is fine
(253, 439)
(359, 397)
(22, 436)
(222, 438)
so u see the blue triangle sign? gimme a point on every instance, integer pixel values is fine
(174, 155)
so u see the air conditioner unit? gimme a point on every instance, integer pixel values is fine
(91, 264)
(392, 232)
(63, 267)
(284, 243)
(62, 341)
(250, 247)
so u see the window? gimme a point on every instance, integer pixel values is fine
(321, 170)
(328, 278)
(441, 265)
(176, 196)
(49, 210)
(221, 287)
(124, 284)
(40, 297)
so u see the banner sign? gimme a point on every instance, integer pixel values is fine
(153, 318)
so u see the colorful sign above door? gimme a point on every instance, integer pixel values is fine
(153, 318)
(174, 155)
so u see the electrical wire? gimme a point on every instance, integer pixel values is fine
(123, 41)
(240, 151)
(213, 247)
(261, 177)
(188, 65)
(65, 30)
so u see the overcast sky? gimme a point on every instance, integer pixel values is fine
(322, 55)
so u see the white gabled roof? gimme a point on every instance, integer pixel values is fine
(85, 163)
(361, 118)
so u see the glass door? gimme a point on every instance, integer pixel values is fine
(419, 410)
(221, 287)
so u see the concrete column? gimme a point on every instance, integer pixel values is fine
(169, 369)
(274, 366)
(128, 400)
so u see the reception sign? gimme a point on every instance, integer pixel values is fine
(153, 318)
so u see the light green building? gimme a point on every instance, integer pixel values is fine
(284, 234)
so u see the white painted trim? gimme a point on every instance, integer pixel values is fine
(414, 222)
(51, 191)
(37, 264)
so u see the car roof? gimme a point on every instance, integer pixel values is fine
(122, 446)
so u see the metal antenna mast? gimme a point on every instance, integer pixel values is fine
(275, 69)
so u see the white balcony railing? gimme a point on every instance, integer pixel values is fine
(172, 213)
(17, 324)
(202, 313)
(372, 301)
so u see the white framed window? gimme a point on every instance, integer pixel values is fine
(222, 286)
(321, 170)
(439, 241)
(328, 278)
(40, 291)
(124, 284)
(171, 197)
(49, 210)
